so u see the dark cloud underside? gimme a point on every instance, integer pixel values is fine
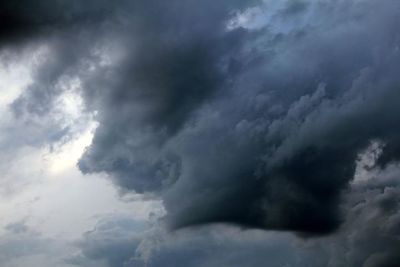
(257, 125)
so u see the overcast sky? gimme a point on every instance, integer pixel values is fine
(190, 133)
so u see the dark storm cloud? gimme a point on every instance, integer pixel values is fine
(22, 20)
(203, 248)
(255, 124)
(368, 238)
(124, 242)
(280, 145)
(172, 65)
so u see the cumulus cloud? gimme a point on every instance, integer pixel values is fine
(255, 126)
(369, 237)
(252, 114)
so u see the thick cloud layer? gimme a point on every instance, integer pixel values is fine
(171, 66)
(26, 19)
(368, 238)
(244, 113)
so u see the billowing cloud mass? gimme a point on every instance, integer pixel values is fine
(369, 237)
(248, 113)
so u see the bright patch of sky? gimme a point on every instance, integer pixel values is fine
(41, 186)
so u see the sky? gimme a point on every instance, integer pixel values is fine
(189, 133)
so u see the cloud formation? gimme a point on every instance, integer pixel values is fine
(112, 243)
(241, 113)
(21, 246)
(270, 115)
(369, 237)
(258, 125)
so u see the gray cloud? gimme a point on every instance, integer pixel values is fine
(21, 246)
(173, 64)
(112, 242)
(27, 19)
(227, 121)
(282, 146)
(369, 237)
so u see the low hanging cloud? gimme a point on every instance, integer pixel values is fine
(241, 113)
(258, 125)
(369, 237)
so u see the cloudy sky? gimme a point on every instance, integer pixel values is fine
(187, 133)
